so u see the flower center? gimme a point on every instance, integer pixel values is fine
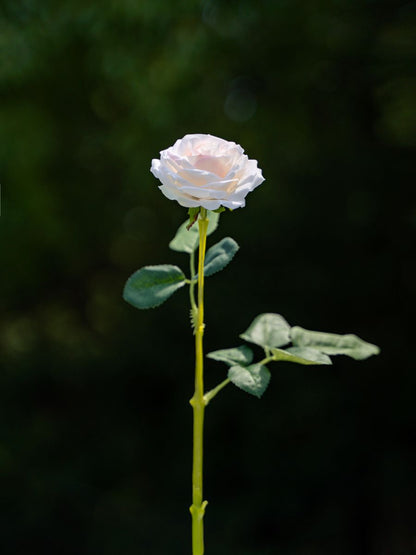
(211, 164)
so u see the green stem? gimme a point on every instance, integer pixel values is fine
(198, 402)
(192, 284)
(211, 394)
(267, 359)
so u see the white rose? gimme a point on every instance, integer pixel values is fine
(202, 170)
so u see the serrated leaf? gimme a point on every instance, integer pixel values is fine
(152, 285)
(334, 344)
(252, 379)
(219, 255)
(237, 356)
(300, 355)
(268, 330)
(187, 241)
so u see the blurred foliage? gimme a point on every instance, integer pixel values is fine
(95, 427)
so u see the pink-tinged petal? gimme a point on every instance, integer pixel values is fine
(215, 165)
(197, 177)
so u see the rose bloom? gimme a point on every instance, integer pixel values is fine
(203, 170)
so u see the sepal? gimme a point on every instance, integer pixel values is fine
(193, 216)
(187, 241)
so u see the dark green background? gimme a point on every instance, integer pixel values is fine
(95, 426)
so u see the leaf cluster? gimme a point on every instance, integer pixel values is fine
(272, 332)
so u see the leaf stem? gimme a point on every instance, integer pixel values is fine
(211, 394)
(267, 359)
(198, 401)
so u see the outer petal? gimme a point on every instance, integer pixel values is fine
(183, 201)
(233, 204)
(210, 204)
(220, 189)
(155, 167)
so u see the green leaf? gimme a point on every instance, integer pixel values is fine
(219, 255)
(238, 355)
(252, 379)
(187, 241)
(152, 285)
(268, 330)
(301, 355)
(334, 344)
(219, 210)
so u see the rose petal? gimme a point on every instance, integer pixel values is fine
(183, 201)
